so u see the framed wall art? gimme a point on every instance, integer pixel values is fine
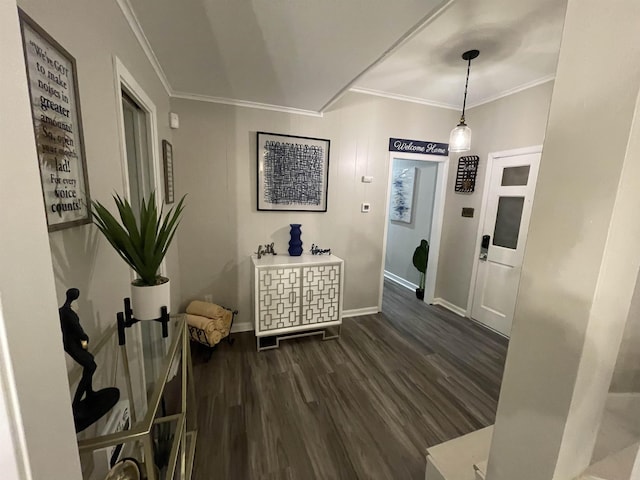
(402, 184)
(167, 159)
(293, 172)
(57, 125)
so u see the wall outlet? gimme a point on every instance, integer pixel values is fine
(208, 298)
(365, 207)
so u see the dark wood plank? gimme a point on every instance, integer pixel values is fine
(363, 407)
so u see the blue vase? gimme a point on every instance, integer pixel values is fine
(295, 244)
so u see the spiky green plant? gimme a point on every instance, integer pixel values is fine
(141, 240)
(420, 259)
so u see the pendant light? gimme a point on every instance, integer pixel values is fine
(460, 138)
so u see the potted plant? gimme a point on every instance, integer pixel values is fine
(420, 260)
(141, 239)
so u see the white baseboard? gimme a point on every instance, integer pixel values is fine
(358, 312)
(241, 327)
(400, 281)
(450, 306)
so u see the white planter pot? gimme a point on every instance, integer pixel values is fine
(147, 302)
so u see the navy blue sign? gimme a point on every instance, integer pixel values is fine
(417, 146)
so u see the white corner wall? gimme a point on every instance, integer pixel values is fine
(34, 387)
(215, 163)
(582, 258)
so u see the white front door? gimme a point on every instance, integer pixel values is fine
(511, 186)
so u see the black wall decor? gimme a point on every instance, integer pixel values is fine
(293, 172)
(466, 176)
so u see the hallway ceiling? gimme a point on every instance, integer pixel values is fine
(302, 54)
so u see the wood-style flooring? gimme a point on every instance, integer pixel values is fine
(365, 406)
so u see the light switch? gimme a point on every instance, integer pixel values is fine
(174, 120)
(367, 179)
(365, 207)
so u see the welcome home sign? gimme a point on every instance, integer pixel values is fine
(418, 146)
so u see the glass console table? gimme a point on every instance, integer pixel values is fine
(160, 431)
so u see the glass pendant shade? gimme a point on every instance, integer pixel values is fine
(460, 138)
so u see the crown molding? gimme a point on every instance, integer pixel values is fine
(244, 103)
(511, 91)
(136, 28)
(403, 98)
(424, 101)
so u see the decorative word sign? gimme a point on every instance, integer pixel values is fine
(417, 146)
(466, 176)
(53, 91)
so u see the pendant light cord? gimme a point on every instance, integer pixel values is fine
(466, 85)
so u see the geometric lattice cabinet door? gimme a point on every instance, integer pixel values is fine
(321, 294)
(279, 298)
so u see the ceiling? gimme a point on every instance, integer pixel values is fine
(303, 54)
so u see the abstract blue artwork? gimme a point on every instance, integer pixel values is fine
(292, 172)
(402, 184)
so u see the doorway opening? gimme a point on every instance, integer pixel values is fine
(414, 211)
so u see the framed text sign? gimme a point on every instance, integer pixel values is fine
(293, 172)
(53, 92)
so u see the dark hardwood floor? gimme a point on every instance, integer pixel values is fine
(362, 407)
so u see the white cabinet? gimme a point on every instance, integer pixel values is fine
(296, 296)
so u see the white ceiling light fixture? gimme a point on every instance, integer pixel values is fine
(460, 138)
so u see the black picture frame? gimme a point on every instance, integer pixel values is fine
(293, 172)
(167, 160)
(57, 124)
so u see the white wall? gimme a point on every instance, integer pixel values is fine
(93, 33)
(403, 238)
(215, 163)
(518, 120)
(582, 258)
(34, 385)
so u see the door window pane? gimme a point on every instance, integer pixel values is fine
(515, 176)
(508, 222)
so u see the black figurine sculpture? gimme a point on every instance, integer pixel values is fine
(95, 404)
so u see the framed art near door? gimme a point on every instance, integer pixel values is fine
(57, 125)
(293, 172)
(167, 160)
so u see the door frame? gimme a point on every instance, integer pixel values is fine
(124, 80)
(483, 210)
(437, 219)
